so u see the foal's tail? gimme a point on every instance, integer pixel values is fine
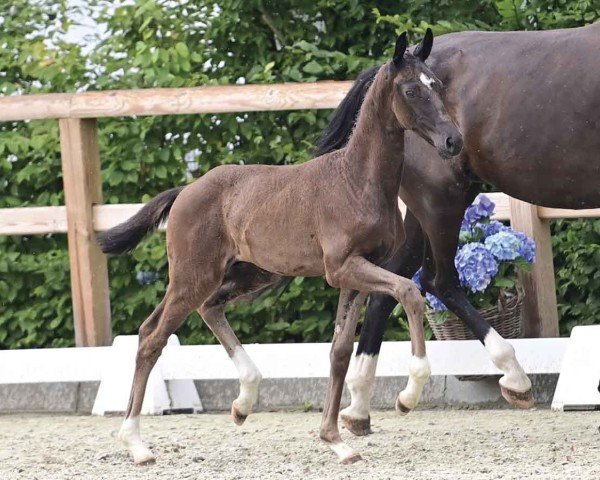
(340, 127)
(125, 236)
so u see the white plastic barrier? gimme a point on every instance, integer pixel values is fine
(170, 386)
(579, 381)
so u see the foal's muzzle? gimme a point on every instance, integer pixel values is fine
(454, 144)
(449, 144)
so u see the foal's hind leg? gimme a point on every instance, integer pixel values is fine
(241, 279)
(153, 336)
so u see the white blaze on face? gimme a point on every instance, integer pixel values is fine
(250, 377)
(425, 80)
(360, 383)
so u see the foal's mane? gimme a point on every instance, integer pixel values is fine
(340, 127)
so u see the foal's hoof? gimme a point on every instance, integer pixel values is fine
(144, 458)
(520, 400)
(355, 457)
(401, 408)
(358, 426)
(238, 417)
(144, 462)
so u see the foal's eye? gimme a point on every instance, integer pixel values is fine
(410, 93)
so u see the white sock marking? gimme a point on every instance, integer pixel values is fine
(250, 378)
(425, 80)
(360, 383)
(342, 450)
(502, 354)
(418, 374)
(130, 436)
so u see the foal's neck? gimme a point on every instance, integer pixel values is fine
(375, 152)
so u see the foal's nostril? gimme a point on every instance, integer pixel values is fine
(449, 143)
(454, 144)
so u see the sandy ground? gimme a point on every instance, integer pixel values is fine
(428, 445)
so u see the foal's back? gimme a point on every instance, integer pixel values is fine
(267, 215)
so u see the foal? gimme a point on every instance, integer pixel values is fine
(239, 229)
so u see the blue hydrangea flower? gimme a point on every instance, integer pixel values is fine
(476, 266)
(482, 207)
(492, 228)
(417, 278)
(503, 245)
(527, 247)
(435, 303)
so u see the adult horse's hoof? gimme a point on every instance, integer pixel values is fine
(520, 400)
(238, 417)
(358, 426)
(401, 408)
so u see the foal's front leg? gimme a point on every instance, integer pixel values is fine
(349, 306)
(360, 274)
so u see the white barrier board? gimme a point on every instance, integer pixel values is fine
(579, 379)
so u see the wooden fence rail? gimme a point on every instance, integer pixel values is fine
(84, 213)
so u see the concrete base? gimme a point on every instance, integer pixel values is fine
(284, 393)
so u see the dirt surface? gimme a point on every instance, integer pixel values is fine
(428, 445)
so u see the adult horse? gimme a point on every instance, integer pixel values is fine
(239, 229)
(528, 104)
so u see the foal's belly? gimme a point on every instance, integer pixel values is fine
(284, 251)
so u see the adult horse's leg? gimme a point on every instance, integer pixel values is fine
(349, 306)
(440, 278)
(357, 273)
(361, 376)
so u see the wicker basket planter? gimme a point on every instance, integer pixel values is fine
(505, 318)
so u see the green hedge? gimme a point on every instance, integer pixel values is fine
(152, 44)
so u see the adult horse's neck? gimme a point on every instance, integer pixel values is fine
(375, 152)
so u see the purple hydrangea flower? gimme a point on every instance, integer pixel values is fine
(527, 247)
(491, 228)
(476, 266)
(482, 207)
(435, 303)
(503, 245)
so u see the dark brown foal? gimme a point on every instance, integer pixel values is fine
(241, 228)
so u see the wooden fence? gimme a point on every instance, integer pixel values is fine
(84, 213)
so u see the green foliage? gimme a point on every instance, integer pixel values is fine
(576, 246)
(154, 44)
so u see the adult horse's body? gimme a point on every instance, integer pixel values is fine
(528, 104)
(241, 228)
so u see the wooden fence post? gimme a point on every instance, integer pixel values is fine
(540, 310)
(89, 274)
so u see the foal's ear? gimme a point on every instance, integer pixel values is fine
(424, 48)
(401, 44)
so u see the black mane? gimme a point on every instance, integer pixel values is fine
(340, 126)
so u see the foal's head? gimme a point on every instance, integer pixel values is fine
(416, 97)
